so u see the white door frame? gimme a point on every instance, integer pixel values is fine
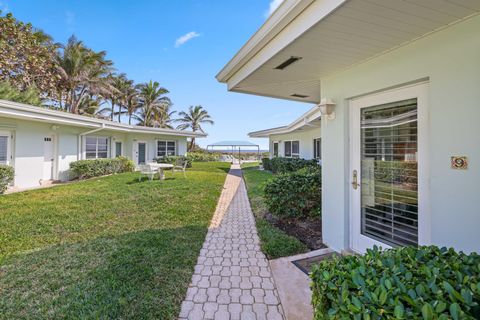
(53, 136)
(359, 242)
(135, 151)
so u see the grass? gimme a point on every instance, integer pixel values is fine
(110, 247)
(274, 242)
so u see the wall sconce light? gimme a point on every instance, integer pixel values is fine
(327, 108)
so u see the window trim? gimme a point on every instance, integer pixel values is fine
(9, 156)
(166, 148)
(109, 147)
(292, 155)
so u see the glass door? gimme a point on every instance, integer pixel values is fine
(388, 208)
(389, 173)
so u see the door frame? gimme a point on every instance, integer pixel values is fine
(136, 154)
(54, 137)
(420, 92)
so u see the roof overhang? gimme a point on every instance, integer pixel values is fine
(331, 36)
(309, 120)
(15, 110)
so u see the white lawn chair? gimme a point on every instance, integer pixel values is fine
(146, 170)
(180, 165)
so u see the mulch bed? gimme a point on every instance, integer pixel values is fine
(308, 231)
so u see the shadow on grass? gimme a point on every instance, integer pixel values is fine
(146, 180)
(136, 275)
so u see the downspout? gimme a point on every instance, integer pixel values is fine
(79, 144)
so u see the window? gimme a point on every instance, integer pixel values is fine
(166, 148)
(317, 148)
(292, 149)
(3, 148)
(275, 149)
(96, 147)
(118, 149)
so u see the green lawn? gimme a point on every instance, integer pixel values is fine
(274, 242)
(108, 247)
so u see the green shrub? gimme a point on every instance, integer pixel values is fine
(84, 169)
(202, 157)
(267, 164)
(295, 194)
(6, 177)
(283, 165)
(176, 160)
(403, 283)
(126, 165)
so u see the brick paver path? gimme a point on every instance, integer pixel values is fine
(232, 278)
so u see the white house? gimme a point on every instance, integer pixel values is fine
(399, 86)
(300, 139)
(40, 143)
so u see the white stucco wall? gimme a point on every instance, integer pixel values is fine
(27, 147)
(451, 60)
(305, 137)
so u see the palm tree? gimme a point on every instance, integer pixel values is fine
(154, 105)
(83, 74)
(131, 101)
(193, 119)
(118, 95)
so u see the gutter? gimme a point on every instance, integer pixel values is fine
(79, 144)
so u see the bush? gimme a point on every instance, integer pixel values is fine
(202, 157)
(84, 169)
(6, 177)
(267, 164)
(402, 283)
(175, 160)
(283, 165)
(296, 194)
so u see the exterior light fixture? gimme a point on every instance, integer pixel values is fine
(327, 108)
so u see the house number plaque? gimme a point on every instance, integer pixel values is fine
(459, 162)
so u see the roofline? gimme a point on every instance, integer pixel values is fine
(282, 16)
(33, 113)
(300, 122)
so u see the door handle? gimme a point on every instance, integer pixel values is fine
(355, 183)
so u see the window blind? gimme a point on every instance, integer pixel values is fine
(389, 173)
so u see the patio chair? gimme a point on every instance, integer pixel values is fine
(180, 165)
(146, 170)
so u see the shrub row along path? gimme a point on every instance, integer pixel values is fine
(232, 278)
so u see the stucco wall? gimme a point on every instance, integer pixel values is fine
(306, 142)
(451, 60)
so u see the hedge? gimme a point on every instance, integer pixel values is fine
(84, 169)
(176, 160)
(6, 177)
(202, 157)
(403, 283)
(267, 164)
(283, 165)
(295, 194)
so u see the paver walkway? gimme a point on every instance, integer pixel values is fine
(232, 278)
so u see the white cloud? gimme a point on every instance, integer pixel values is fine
(186, 37)
(272, 6)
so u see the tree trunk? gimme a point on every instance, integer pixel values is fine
(192, 144)
(130, 119)
(113, 109)
(119, 113)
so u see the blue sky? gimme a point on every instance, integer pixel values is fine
(181, 44)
